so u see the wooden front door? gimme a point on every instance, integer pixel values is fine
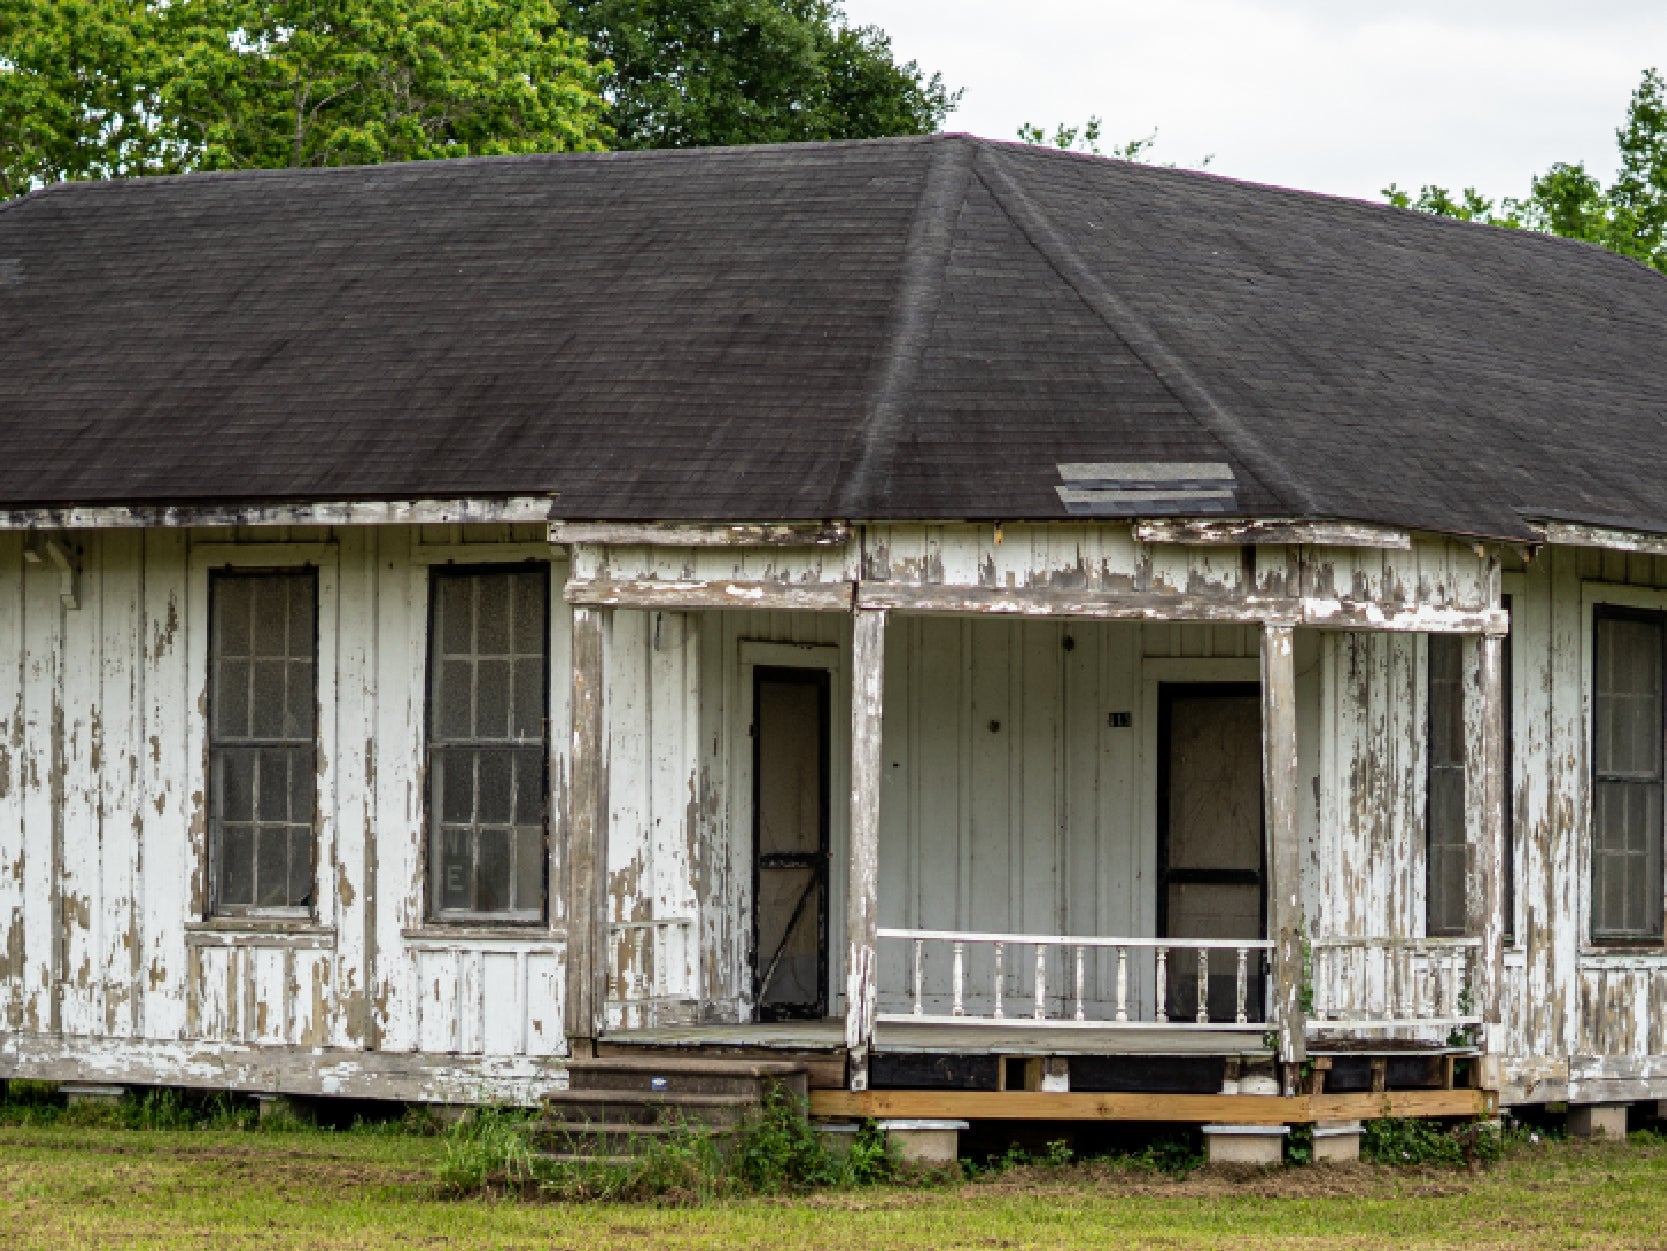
(1210, 853)
(790, 843)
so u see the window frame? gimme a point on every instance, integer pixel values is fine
(191, 807)
(433, 573)
(1651, 607)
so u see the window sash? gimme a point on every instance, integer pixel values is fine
(262, 741)
(1627, 776)
(1445, 851)
(487, 748)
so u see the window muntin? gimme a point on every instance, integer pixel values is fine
(1627, 779)
(262, 740)
(1445, 816)
(487, 744)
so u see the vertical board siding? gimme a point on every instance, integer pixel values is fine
(103, 815)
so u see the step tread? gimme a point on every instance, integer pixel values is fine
(670, 1098)
(703, 1066)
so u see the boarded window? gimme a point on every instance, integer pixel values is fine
(1627, 776)
(1445, 891)
(488, 682)
(262, 739)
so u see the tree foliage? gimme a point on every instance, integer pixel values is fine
(104, 88)
(1629, 216)
(690, 73)
(1086, 138)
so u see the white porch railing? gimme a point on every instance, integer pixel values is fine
(1394, 983)
(1067, 959)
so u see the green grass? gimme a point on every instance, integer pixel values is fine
(71, 1186)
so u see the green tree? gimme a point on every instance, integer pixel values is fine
(78, 92)
(1629, 216)
(101, 88)
(264, 83)
(689, 73)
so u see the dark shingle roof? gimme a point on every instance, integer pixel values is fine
(900, 328)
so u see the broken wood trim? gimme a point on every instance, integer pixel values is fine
(1013, 1105)
(1325, 614)
(587, 825)
(1281, 805)
(1485, 831)
(1573, 534)
(724, 593)
(862, 894)
(1274, 531)
(535, 509)
(700, 534)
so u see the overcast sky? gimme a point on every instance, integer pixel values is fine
(1329, 95)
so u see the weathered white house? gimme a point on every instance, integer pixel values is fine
(968, 619)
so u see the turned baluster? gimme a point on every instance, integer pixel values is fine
(1122, 984)
(1000, 950)
(957, 971)
(1163, 985)
(1041, 982)
(1243, 986)
(920, 1005)
(1081, 1015)
(1203, 1017)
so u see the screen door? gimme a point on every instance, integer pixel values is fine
(1210, 861)
(790, 841)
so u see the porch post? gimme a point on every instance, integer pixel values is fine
(587, 835)
(1485, 832)
(862, 894)
(1280, 806)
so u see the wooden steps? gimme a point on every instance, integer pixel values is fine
(615, 1105)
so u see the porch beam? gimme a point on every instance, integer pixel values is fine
(1324, 614)
(862, 894)
(718, 593)
(700, 534)
(587, 834)
(1280, 770)
(1485, 825)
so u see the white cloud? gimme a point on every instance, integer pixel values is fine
(1333, 95)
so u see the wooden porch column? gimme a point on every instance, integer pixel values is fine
(862, 894)
(587, 835)
(1284, 852)
(1485, 832)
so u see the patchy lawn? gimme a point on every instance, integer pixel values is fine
(63, 1187)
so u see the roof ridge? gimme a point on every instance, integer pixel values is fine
(867, 466)
(1199, 402)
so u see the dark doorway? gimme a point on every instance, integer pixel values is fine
(1210, 853)
(790, 843)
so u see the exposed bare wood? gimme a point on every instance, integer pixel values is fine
(1280, 798)
(1485, 831)
(862, 974)
(1327, 614)
(1199, 1109)
(515, 508)
(650, 594)
(1572, 534)
(587, 825)
(700, 534)
(1274, 530)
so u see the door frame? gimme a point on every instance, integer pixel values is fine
(822, 681)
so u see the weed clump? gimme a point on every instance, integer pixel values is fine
(776, 1151)
(1410, 1141)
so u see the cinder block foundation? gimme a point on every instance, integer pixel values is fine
(1337, 1142)
(1245, 1144)
(838, 1136)
(926, 1143)
(1597, 1120)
